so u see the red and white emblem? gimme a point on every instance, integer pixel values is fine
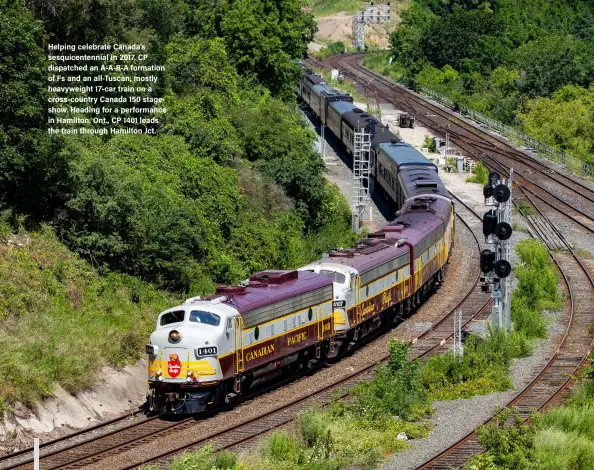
(173, 366)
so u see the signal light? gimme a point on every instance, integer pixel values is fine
(494, 178)
(488, 191)
(503, 231)
(502, 268)
(489, 223)
(501, 193)
(487, 261)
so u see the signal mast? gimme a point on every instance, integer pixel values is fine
(495, 264)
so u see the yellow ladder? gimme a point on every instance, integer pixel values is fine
(239, 365)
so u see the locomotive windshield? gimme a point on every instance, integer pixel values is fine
(336, 277)
(172, 317)
(207, 318)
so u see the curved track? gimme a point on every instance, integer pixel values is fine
(564, 193)
(474, 304)
(101, 449)
(552, 190)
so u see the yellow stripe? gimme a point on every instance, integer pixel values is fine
(268, 338)
(338, 318)
(394, 285)
(199, 368)
(298, 312)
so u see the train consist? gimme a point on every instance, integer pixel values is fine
(210, 350)
(399, 170)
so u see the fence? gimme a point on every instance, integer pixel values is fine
(574, 164)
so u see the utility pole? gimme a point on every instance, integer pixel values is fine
(495, 264)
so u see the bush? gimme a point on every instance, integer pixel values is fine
(481, 174)
(508, 446)
(482, 369)
(394, 390)
(536, 291)
(429, 143)
(206, 459)
(61, 319)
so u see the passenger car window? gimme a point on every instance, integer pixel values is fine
(172, 317)
(207, 318)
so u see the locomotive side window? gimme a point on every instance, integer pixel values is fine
(172, 317)
(207, 318)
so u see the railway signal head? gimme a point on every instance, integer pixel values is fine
(488, 191)
(501, 193)
(489, 223)
(503, 231)
(494, 178)
(502, 268)
(487, 261)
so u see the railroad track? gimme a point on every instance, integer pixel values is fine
(102, 448)
(576, 343)
(565, 194)
(427, 343)
(553, 379)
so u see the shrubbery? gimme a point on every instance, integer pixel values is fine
(480, 176)
(229, 185)
(526, 63)
(537, 289)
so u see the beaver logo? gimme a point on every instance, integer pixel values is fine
(174, 365)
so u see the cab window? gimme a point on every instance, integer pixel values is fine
(206, 318)
(172, 317)
(336, 277)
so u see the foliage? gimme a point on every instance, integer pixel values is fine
(228, 186)
(508, 59)
(508, 446)
(394, 391)
(526, 208)
(429, 143)
(61, 319)
(481, 174)
(536, 291)
(330, 7)
(206, 459)
(565, 119)
(483, 368)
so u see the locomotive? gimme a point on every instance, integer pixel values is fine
(210, 350)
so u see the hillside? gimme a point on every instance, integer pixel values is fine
(99, 233)
(529, 63)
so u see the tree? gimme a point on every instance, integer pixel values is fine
(32, 176)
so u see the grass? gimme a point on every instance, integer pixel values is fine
(61, 321)
(480, 176)
(526, 208)
(537, 289)
(560, 439)
(331, 7)
(379, 62)
(483, 368)
(360, 432)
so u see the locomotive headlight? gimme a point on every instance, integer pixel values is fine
(174, 336)
(152, 350)
(190, 373)
(159, 373)
(160, 378)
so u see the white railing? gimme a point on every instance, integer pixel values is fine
(574, 164)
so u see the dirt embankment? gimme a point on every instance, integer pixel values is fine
(338, 27)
